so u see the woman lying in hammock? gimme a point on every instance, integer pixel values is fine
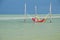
(37, 19)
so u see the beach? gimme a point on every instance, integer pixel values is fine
(14, 28)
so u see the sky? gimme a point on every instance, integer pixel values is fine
(17, 6)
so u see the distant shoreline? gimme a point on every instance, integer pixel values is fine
(27, 14)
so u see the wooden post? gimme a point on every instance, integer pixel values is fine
(35, 10)
(25, 13)
(50, 14)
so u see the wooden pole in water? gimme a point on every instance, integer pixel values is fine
(35, 10)
(50, 14)
(25, 13)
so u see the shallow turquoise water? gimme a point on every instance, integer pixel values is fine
(18, 30)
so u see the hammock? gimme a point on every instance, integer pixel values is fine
(40, 20)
